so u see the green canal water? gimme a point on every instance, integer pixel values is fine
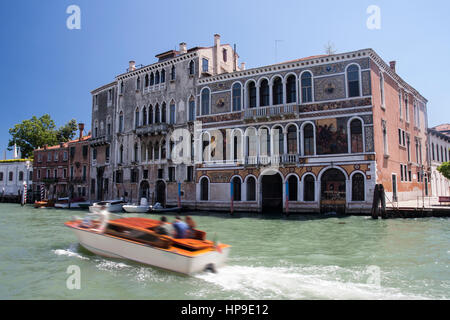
(288, 258)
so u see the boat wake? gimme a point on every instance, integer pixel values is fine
(70, 252)
(309, 282)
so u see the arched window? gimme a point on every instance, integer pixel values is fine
(432, 150)
(163, 149)
(163, 75)
(136, 152)
(144, 116)
(136, 118)
(204, 186)
(156, 152)
(138, 83)
(121, 154)
(121, 121)
(278, 142)
(150, 151)
(251, 189)
(264, 142)
(163, 113)
(306, 83)
(309, 188)
(251, 141)
(291, 89)
(157, 77)
(356, 136)
(95, 129)
(353, 81)
(237, 96)
(292, 140)
(172, 112)
(121, 87)
(277, 91)
(205, 101)
(251, 94)
(152, 79)
(150, 114)
(382, 89)
(358, 190)
(146, 80)
(236, 189)
(237, 145)
(264, 93)
(308, 140)
(172, 73)
(191, 67)
(191, 108)
(293, 188)
(157, 114)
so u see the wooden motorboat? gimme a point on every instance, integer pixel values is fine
(64, 203)
(44, 204)
(158, 208)
(135, 239)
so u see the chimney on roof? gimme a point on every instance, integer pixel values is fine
(183, 48)
(81, 128)
(242, 66)
(392, 65)
(132, 65)
(216, 53)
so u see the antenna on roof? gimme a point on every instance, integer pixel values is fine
(329, 48)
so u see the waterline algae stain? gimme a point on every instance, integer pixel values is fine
(294, 258)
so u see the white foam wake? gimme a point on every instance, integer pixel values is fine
(298, 283)
(69, 253)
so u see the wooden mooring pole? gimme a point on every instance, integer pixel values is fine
(379, 199)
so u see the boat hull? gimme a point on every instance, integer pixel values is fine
(136, 209)
(113, 247)
(111, 208)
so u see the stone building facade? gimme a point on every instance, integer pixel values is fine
(308, 135)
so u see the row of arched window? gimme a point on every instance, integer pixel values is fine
(307, 140)
(308, 190)
(152, 151)
(278, 90)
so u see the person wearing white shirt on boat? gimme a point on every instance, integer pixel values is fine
(165, 228)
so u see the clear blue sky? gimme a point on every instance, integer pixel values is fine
(47, 68)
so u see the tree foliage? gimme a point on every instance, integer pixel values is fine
(37, 132)
(444, 169)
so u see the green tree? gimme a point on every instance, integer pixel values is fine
(444, 169)
(37, 132)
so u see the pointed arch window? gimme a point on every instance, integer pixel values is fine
(191, 109)
(146, 80)
(191, 68)
(172, 73)
(163, 75)
(136, 118)
(172, 112)
(163, 113)
(144, 116)
(156, 152)
(157, 114)
(121, 121)
(157, 77)
(152, 79)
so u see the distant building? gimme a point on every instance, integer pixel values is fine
(13, 174)
(443, 128)
(439, 149)
(62, 170)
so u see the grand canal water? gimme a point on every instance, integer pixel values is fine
(271, 258)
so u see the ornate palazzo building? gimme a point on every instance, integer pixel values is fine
(308, 135)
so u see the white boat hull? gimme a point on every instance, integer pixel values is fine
(112, 247)
(72, 205)
(135, 209)
(110, 208)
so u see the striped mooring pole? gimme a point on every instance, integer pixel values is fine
(24, 196)
(287, 197)
(42, 191)
(232, 197)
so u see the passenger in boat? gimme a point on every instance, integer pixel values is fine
(165, 228)
(181, 228)
(191, 224)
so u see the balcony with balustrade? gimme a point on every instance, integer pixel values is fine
(276, 111)
(152, 129)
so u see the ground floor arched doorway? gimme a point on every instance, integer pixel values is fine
(272, 193)
(144, 190)
(161, 192)
(333, 191)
